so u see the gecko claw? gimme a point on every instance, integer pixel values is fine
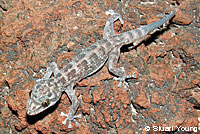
(70, 119)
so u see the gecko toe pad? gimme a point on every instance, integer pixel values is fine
(70, 119)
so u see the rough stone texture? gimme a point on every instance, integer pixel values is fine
(166, 92)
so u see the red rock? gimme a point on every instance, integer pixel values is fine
(106, 115)
(191, 122)
(29, 85)
(112, 105)
(127, 130)
(171, 43)
(19, 126)
(161, 72)
(119, 123)
(83, 129)
(166, 35)
(118, 104)
(84, 83)
(86, 108)
(125, 106)
(93, 119)
(100, 121)
(142, 100)
(182, 19)
(177, 121)
(65, 56)
(97, 94)
(173, 109)
(5, 112)
(124, 98)
(11, 81)
(114, 116)
(86, 97)
(155, 98)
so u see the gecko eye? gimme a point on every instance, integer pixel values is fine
(45, 103)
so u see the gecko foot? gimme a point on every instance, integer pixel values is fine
(72, 118)
(112, 12)
(122, 80)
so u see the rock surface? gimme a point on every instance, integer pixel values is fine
(165, 94)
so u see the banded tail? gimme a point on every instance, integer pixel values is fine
(150, 27)
(136, 34)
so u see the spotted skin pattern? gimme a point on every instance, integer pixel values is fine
(48, 90)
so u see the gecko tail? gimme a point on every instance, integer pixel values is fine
(150, 27)
(139, 33)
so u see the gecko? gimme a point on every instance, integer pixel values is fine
(48, 90)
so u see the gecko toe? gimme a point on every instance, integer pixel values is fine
(133, 76)
(122, 82)
(70, 124)
(70, 119)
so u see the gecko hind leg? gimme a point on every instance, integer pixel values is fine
(73, 108)
(119, 72)
(109, 29)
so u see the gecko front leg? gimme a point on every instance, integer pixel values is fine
(53, 68)
(73, 108)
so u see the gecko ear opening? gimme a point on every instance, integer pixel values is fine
(45, 103)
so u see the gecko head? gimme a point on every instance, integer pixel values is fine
(44, 95)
